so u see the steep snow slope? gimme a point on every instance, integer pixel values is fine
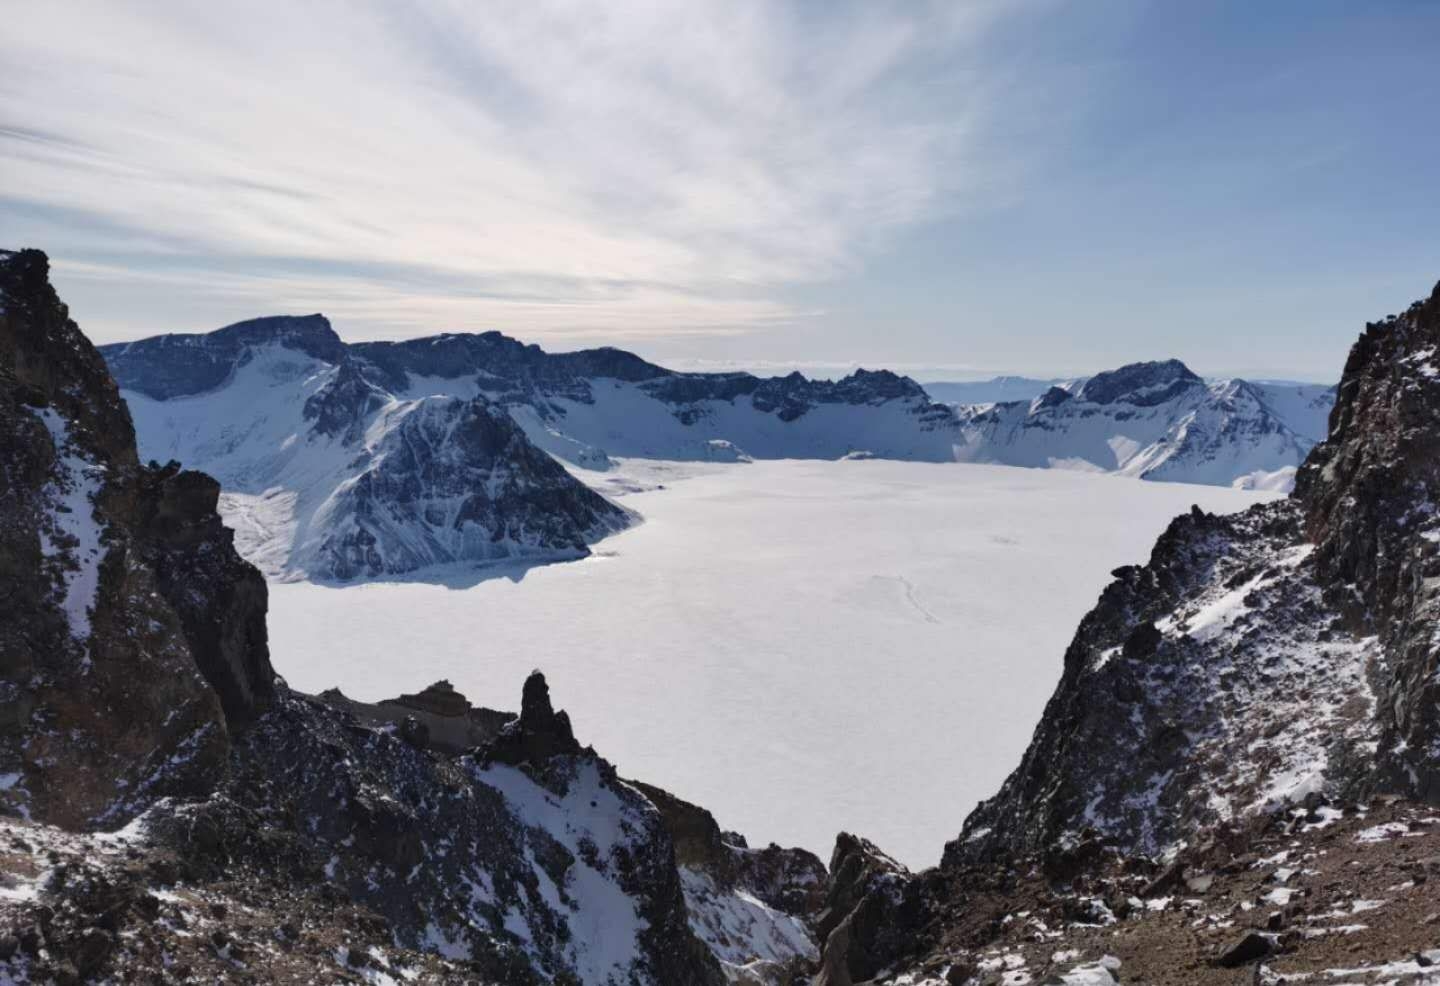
(1304, 407)
(327, 476)
(1154, 421)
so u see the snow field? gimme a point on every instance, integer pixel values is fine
(800, 646)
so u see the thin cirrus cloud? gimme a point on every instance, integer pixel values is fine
(553, 168)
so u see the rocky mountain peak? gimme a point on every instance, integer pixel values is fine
(1141, 384)
(183, 364)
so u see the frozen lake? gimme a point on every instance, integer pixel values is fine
(801, 647)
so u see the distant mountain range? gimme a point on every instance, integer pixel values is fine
(343, 461)
(1156, 421)
(328, 476)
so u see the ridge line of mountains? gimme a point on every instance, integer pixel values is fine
(1233, 781)
(370, 460)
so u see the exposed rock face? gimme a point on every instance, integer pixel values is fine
(755, 908)
(183, 365)
(132, 640)
(549, 868)
(1210, 683)
(1369, 496)
(451, 481)
(538, 734)
(436, 718)
(1141, 384)
(875, 914)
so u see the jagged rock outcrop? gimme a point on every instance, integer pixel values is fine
(436, 718)
(537, 734)
(132, 640)
(875, 914)
(756, 909)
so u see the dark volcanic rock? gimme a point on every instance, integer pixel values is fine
(875, 914)
(1252, 947)
(538, 734)
(132, 641)
(1370, 495)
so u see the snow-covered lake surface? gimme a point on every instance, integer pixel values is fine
(801, 647)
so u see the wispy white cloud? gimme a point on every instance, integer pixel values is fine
(550, 167)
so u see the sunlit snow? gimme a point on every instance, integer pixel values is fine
(800, 646)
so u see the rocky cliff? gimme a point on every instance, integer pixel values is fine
(132, 640)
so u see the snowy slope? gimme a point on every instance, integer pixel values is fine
(327, 476)
(1156, 421)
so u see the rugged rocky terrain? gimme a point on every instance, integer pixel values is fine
(1155, 421)
(329, 476)
(1231, 782)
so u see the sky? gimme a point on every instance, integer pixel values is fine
(950, 189)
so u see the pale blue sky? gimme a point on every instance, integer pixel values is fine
(949, 188)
